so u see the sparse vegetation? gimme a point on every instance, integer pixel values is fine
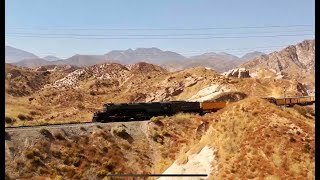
(59, 136)
(10, 120)
(22, 117)
(46, 133)
(7, 136)
(156, 119)
(102, 173)
(120, 131)
(34, 113)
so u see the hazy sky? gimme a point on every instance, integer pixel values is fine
(67, 27)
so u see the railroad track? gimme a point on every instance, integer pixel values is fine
(62, 125)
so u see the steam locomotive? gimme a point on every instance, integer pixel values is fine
(141, 111)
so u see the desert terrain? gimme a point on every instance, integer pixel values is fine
(249, 138)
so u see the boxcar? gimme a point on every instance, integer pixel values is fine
(212, 106)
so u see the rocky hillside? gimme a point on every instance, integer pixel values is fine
(53, 94)
(254, 139)
(93, 151)
(251, 138)
(294, 62)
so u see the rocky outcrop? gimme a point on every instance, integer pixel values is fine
(238, 73)
(297, 61)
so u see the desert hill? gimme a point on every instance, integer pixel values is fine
(247, 139)
(293, 62)
(13, 55)
(67, 93)
(253, 139)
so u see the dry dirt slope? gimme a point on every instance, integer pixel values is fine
(247, 139)
(255, 139)
(94, 151)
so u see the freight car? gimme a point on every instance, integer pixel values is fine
(291, 101)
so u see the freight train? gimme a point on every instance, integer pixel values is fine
(142, 111)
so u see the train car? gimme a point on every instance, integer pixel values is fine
(294, 100)
(291, 101)
(306, 100)
(212, 106)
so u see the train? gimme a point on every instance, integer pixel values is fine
(143, 111)
(291, 101)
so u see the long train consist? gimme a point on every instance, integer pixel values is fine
(142, 111)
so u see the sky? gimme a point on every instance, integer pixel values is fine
(189, 27)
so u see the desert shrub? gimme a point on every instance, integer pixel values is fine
(98, 126)
(34, 113)
(7, 136)
(156, 119)
(76, 161)
(33, 154)
(44, 171)
(46, 133)
(82, 128)
(157, 138)
(102, 173)
(105, 149)
(22, 117)
(58, 178)
(59, 136)
(108, 165)
(307, 148)
(92, 93)
(57, 154)
(10, 120)
(120, 131)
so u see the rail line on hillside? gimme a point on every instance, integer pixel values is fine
(286, 101)
(50, 125)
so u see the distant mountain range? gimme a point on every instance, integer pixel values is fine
(220, 62)
(13, 55)
(51, 58)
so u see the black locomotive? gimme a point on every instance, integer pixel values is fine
(143, 111)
